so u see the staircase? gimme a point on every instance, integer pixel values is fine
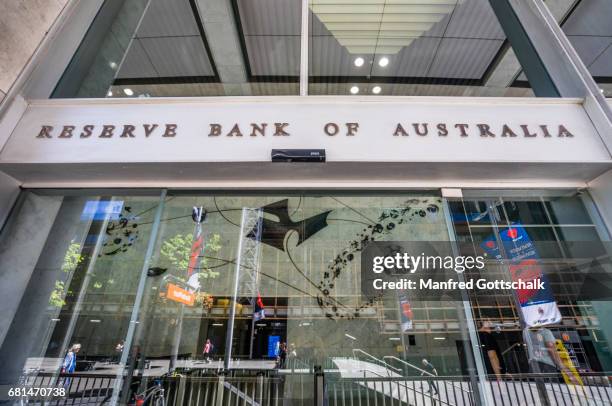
(379, 382)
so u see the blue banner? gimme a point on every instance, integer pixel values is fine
(538, 306)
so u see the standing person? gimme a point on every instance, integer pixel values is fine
(119, 351)
(431, 371)
(282, 354)
(292, 355)
(292, 351)
(208, 349)
(542, 349)
(489, 345)
(69, 364)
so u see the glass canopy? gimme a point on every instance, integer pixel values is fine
(160, 48)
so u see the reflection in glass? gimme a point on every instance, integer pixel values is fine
(304, 311)
(586, 24)
(75, 310)
(441, 48)
(566, 351)
(158, 48)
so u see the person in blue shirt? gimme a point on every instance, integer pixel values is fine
(69, 364)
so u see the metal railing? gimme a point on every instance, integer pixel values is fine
(81, 389)
(391, 391)
(515, 390)
(422, 371)
(375, 359)
(369, 388)
(520, 389)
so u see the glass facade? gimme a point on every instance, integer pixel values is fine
(586, 25)
(148, 287)
(249, 296)
(159, 48)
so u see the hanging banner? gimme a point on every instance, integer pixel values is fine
(406, 314)
(196, 250)
(538, 306)
(259, 311)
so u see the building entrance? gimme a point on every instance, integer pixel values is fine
(259, 296)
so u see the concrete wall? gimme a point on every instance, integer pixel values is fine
(23, 25)
(601, 191)
(9, 190)
(21, 243)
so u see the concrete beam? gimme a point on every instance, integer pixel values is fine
(224, 41)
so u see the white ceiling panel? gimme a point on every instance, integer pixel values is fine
(178, 56)
(328, 58)
(463, 58)
(168, 18)
(411, 61)
(591, 17)
(589, 48)
(602, 66)
(136, 63)
(474, 19)
(270, 17)
(274, 55)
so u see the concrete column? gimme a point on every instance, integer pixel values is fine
(21, 244)
(33, 324)
(547, 55)
(9, 191)
(601, 192)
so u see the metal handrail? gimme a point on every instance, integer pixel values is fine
(424, 371)
(408, 364)
(513, 346)
(296, 360)
(403, 384)
(389, 366)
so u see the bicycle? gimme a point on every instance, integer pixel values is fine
(154, 396)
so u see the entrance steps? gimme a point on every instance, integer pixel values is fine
(389, 383)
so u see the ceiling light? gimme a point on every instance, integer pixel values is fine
(385, 30)
(113, 65)
(439, 338)
(376, 89)
(95, 321)
(384, 61)
(359, 61)
(217, 324)
(110, 93)
(354, 90)
(394, 338)
(128, 91)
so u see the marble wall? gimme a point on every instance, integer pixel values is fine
(23, 25)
